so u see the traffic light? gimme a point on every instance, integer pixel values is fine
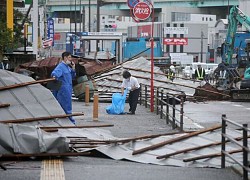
(109, 27)
(19, 3)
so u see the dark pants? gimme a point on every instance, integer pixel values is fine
(133, 99)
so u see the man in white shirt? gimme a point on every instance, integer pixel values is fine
(5, 63)
(131, 83)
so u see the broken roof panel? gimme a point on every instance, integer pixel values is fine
(29, 101)
(35, 101)
(141, 69)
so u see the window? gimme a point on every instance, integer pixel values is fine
(178, 16)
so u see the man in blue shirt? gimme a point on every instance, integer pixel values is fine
(65, 72)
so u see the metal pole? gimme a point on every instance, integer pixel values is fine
(223, 141)
(70, 16)
(89, 16)
(89, 25)
(152, 64)
(98, 17)
(202, 35)
(98, 23)
(80, 15)
(75, 17)
(245, 152)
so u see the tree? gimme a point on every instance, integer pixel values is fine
(9, 39)
(6, 38)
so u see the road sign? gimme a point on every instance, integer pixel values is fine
(132, 3)
(142, 11)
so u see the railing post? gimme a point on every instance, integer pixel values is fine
(245, 153)
(223, 140)
(161, 103)
(146, 96)
(157, 101)
(181, 113)
(140, 94)
(173, 120)
(86, 94)
(167, 109)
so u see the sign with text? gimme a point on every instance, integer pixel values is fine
(175, 41)
(50, 29)
(142, 11)
(175, 30)
(101, 34)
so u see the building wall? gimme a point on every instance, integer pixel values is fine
(197, 38)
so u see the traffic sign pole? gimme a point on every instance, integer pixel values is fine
(142, 11)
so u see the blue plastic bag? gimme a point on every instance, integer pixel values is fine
(118, 103)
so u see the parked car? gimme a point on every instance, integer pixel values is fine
(187, 72)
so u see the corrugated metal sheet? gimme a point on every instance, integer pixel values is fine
(35, 101)
(141, 69)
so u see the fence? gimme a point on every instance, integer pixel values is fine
(244, 146)
(166, 104)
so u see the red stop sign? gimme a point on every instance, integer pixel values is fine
(141, 11)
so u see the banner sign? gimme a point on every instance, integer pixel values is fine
(47, 43)
(50, 29)
(175, 41)
(175, 30)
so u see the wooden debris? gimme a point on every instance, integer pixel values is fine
(25, 84)
(41, 118)
(4, 105)
(68, 127)
(210, 155)
(155, 146)
(195, 148)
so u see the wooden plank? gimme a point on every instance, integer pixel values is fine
(41, 118)
(195, 148)
(210, 155)
(4, 105)
(83, 126)
(25, 84)
(155, 146)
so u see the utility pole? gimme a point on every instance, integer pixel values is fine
(89, 26)
(202, 36)
(80, 15)
(98, 16)
(10, 16)
(35, 27)
(70, 17)
(75, 17)
(89, 16)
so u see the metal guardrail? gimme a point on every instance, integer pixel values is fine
(166, 104)
(244, 146)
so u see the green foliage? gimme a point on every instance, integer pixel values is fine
(9, 39)
(6, 38)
